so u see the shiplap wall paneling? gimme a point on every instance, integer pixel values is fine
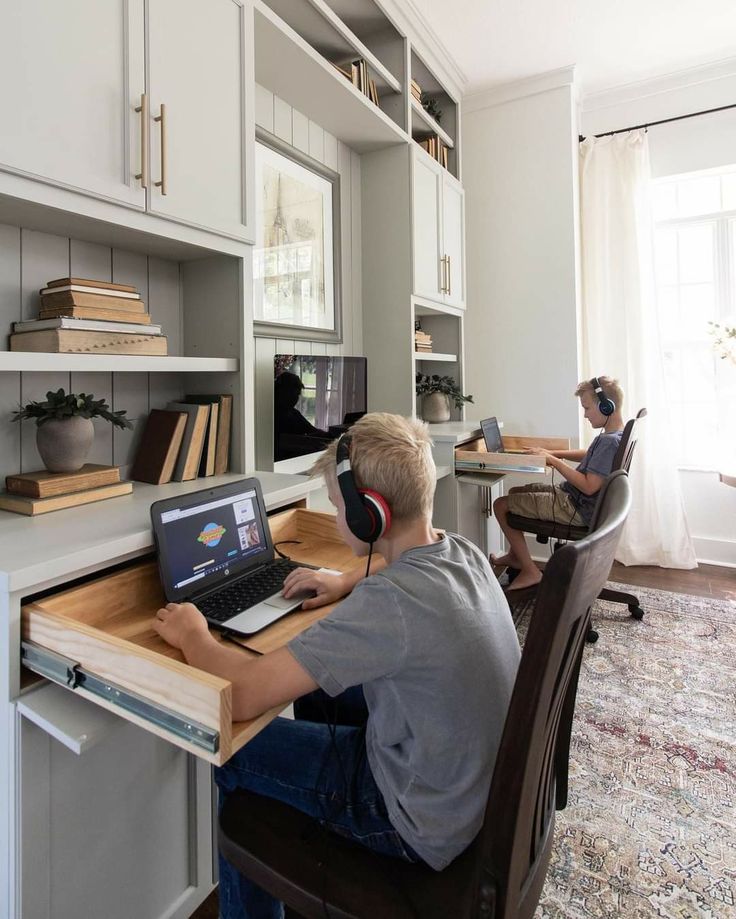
(28, 259)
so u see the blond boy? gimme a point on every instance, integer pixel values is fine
(402, 688)
(573, 501)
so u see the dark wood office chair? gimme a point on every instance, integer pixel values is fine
(502, 872)
(544, 530)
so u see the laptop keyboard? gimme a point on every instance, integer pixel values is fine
(246, 592)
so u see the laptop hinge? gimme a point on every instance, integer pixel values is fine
(67, 672)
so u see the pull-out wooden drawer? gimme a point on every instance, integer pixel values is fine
(473, 456)
(97, 640)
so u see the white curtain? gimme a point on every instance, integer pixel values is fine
(620, 337)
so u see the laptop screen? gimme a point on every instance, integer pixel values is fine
(492, 435)
(207, 537)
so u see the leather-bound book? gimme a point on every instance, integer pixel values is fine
(190, 453)
(224, 402)
(159, 447)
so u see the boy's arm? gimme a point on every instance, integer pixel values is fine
(576, 455)
(258, 685)
(329, 588)
(588, 482)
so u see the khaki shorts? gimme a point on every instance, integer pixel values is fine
(544, 502)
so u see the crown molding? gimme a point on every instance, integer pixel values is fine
(430, 47)
(519, 89)
(671, 82)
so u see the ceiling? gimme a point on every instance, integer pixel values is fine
(612, 42)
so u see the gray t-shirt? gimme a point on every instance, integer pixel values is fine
(431, 640)
(599, 459)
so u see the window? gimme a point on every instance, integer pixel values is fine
(695, 273)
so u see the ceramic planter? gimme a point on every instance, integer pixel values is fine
(64, 443)
(435, 407)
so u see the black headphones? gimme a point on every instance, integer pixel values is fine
(367, 513)
(606, 406)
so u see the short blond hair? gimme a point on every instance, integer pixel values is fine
(392, 455)
(611, 390)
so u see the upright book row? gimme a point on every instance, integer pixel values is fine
(187, 439)
(357, 73)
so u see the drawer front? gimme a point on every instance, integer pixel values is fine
(97, 641)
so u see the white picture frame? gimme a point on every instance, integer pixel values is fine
(296, 255)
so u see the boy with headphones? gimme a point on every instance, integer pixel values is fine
(402, 689)
(572, 502)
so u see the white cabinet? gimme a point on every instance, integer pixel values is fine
(437, 232)
(197, 116)
(68, 72)
(147, 105)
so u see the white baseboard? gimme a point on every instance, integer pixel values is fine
(715, 551)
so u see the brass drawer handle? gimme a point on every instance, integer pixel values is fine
(143, 175)
(449, 276)
(162, 119)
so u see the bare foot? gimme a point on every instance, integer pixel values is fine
(525, 579)
(505, 561)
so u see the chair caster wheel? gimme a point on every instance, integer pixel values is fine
(637, 612)
(591, 637)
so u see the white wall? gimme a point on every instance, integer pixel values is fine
(699, 143)
(519, 148)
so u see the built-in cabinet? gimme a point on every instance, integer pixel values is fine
(438, 210)
(144, 104)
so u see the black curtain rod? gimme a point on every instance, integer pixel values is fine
(651, 124)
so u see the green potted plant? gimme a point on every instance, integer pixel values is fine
(64, 427)
(436, 392)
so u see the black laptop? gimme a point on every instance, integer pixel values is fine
(215, 550)
(492, 436)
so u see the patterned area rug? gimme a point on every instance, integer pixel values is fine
(650, 826)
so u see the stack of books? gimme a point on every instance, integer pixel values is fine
(34, 493)
(416, 91)
(187, 439)
(78, 315)
(357, 73)
(422, 341)
(436, 148)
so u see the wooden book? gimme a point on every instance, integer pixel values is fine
(192, 444)
(99, 301)
(159, 447)
(32, 507)
(91, 312)
(45, 484)
(224, 402)
(72, 341)
(87, 282)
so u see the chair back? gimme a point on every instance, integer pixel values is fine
(625, 452)
(517, 833)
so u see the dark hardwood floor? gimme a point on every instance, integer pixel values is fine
(703, 581)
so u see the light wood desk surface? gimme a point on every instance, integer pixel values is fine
(105, 627)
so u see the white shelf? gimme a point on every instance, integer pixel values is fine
(29, 361)
(289, 67)
(434, 356)
(319, 25)
(428, 123)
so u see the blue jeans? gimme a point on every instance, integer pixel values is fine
(299, 763)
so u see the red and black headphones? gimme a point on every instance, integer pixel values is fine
(367, 513)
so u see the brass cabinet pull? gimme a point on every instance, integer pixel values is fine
(443, 281)
(162, 118)
(143, 175)
(449, 276)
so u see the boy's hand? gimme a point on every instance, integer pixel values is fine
(549, 457)
(328, 587)
(180, 623)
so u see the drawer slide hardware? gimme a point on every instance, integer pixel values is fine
(66, 672)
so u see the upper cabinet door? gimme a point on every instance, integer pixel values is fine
(453, 239)
(426, 195)
(199, 55)
(72, 74)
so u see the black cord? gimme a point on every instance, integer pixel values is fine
(284, 542)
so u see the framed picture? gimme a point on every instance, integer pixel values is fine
(296, 256)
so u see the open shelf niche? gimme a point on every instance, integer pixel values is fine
(424, 125)
(301, 49)
(446, 329)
